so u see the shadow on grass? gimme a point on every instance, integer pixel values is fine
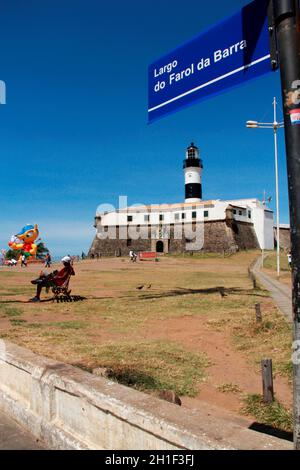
(61, 300)
(68, 298)
(24, 301)
(223, 291)
(133, 378)
(73, 298)
(272, 431)
(126, 376)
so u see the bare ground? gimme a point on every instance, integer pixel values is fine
(107, 280)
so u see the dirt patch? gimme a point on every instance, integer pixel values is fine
(227, 365)
(198, 304)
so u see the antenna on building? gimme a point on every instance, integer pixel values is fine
(266, 199)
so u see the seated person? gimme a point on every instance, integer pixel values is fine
(57, 278)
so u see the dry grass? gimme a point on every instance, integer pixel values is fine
(272, 414)
(270, 267)
(108, 328)
(151, 365)
(271, 261)
(272, 338)
(229, 388)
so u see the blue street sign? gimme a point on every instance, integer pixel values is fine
(226, 55)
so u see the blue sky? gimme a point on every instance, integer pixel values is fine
(74, 132)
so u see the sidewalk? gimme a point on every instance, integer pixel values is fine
(14, 437)
(280, 293)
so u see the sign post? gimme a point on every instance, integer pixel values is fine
(287, 21)
(225, 56)
(228, 54)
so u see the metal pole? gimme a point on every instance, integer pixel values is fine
(288, 36)
(263, 242)
(275, 126)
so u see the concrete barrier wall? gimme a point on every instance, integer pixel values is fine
(72, 409)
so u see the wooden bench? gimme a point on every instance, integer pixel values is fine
(147, 255)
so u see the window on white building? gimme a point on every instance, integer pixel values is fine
(205, 214)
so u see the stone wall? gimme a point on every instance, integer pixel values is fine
(284, 238)
(219, 236)
(244, 236)
(68, 408)
(113, 247)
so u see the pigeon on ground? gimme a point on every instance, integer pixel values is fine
(222, 292)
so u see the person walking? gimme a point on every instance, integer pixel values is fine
(133, 256)
(48, 261)
(289, 257)
(23, 261)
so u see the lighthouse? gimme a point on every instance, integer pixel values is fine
(192, 166)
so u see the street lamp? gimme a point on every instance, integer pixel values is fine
(275, 126)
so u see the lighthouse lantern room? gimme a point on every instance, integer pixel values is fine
(193, 166)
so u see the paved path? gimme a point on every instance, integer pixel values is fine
(14, 437)
(281, 293)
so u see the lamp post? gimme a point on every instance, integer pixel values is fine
(275, 126)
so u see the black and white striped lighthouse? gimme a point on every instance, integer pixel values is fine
(192, 166)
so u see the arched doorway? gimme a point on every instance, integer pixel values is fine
(159, 247)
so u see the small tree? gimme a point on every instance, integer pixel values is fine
(42, 250)
(10, 254)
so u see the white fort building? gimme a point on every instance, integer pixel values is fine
(192, 225)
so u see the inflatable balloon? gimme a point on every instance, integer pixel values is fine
(24, 241)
